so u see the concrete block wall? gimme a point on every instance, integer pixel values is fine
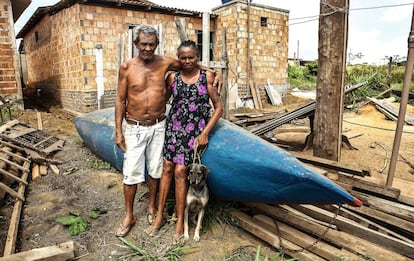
(8, 81)
(64, 55)
(266, 46)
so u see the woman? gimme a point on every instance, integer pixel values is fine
(188, 125)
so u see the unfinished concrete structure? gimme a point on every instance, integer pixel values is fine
(73, 49)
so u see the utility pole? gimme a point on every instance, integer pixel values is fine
(403, 104)
(333, 38)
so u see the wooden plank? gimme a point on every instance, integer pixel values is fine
(331, 164)
(306, 241)
(11, 163)
(370, 186)
(63, 251)
(43, 169)
(8, 125)
(35, 171)
(392, 110)
(10, 245)
(10, 175)
(14, 154)
(252, 226)
(12, 193)
(54, 169)
(11, 145)
(384, 217)
(369, 223)
(406, 200)
(353, 244)
(39, 120)
(58, 145)
(393, 208)
(356, 229)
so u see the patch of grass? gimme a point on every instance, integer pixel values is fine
(98, 164)
(216, 213)
(251, 252)
(172, 253)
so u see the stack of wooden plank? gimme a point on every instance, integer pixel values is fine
(24, 150)
(390, 111)
(382, 229)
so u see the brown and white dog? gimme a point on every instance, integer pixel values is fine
(197, 197)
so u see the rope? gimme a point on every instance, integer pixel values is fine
(197, 154)
(283, 248)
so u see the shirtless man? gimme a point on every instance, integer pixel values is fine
(141, 100)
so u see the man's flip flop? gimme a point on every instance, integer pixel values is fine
(124, 230)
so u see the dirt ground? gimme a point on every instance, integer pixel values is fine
(81, 187)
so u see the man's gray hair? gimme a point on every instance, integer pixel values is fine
(147, 30)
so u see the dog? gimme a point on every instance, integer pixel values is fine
(197, 197)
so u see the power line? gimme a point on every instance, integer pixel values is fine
(316, 17)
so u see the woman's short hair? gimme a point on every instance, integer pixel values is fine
(189, 43)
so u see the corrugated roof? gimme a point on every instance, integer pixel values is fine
(125, 4)
(18, 7)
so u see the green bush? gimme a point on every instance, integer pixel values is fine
(378, 78)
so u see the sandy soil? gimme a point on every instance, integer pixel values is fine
(80, 188)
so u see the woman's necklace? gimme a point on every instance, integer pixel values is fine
(190, 77)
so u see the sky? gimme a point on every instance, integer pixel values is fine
(377, 28)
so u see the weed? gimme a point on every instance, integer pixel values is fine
(172, 253)
(247, 253)
(98, 164)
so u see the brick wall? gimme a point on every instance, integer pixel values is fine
(8, 55)
(60, 49)
(267, 46)
(63, 57)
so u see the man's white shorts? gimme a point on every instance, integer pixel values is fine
(143, 152)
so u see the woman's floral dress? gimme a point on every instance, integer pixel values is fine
(189, 114)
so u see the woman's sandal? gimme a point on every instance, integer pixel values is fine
(151, 217)
(152, 230)
(178, 240)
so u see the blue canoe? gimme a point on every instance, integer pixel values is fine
(243, 166)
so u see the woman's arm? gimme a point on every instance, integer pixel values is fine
(202, 139)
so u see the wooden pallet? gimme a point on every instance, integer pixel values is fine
(29, 137)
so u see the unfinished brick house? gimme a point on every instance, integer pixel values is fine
(10, 85)
(73, 49)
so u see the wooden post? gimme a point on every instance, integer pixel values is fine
(180, 23)
(403, 104)
(225, 72)
(333, 36)
(206, 39)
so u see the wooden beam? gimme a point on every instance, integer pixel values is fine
(353, 244)
(64, 251)
(394, 208)
(10, 175)
(358, 230)
(332, 46)
(11, 192)
(334, 165)
(252, 226)
(370, 187)
(307, 242)
(384, 217)
(11, 239)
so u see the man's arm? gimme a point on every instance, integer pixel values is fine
(168, 84)
(120, 105)
(175, 66)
